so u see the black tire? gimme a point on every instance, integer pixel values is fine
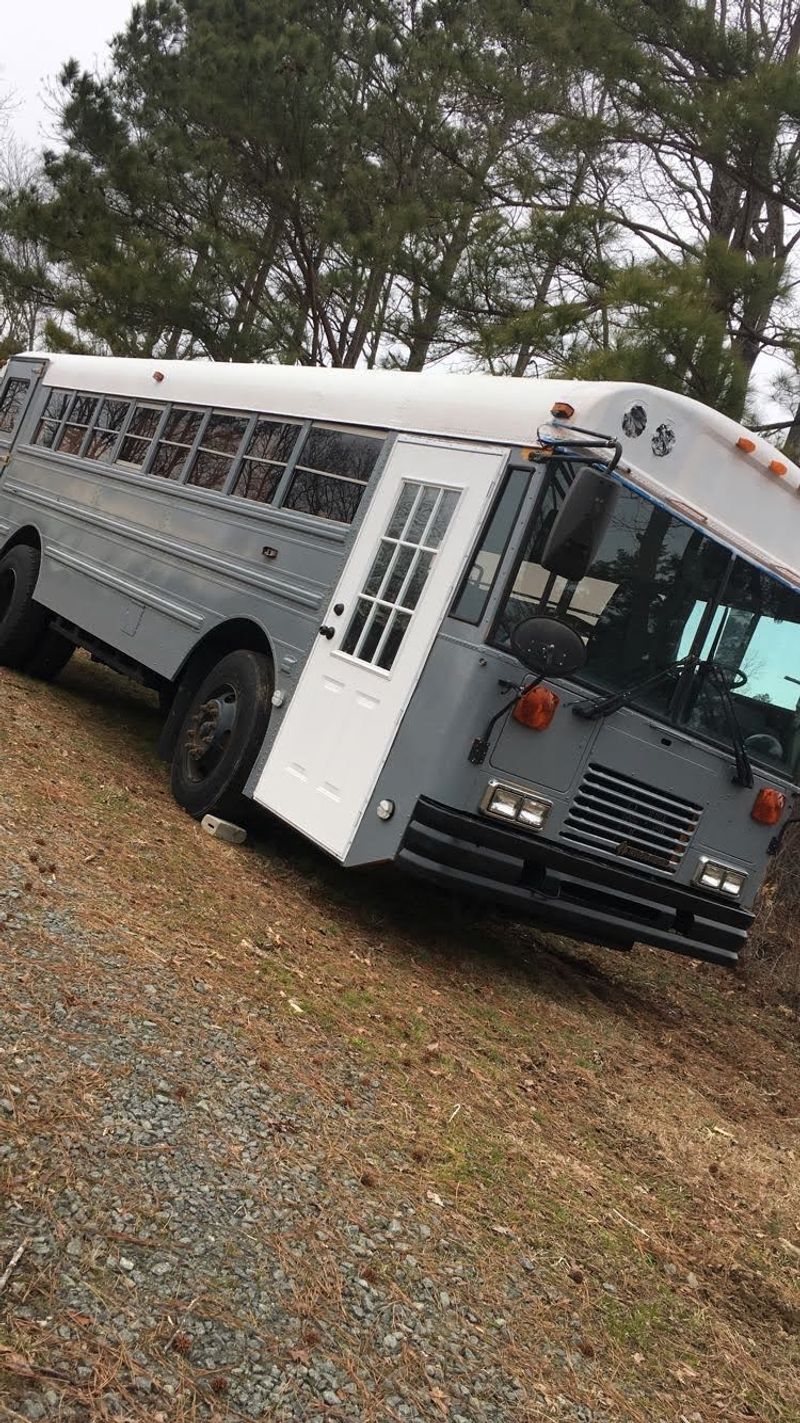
(221, 735)
(22, 621)
(50, 657)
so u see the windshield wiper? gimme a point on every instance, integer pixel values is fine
(744, 771)
(590, 711)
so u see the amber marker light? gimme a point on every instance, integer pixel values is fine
(778, 467)
(562, 410)
(744, 444)
(768, 806)
(536, 708)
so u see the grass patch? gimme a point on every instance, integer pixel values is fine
(626, 1121)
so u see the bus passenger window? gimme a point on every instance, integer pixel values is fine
(332, 472)
(52, 415)
(11, 404)
(472, 599)
(139, 436)
(108, 422)
(266, 457)
(219, 446)
(81, 414)
(176, 443)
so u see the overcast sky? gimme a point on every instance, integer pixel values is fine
(37, 39)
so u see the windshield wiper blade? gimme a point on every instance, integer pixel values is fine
(590, 711)
(744, 771)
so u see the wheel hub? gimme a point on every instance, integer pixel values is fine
(210, 729)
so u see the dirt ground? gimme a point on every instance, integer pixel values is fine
(280, 1142)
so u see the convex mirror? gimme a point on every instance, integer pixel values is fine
(548, 647)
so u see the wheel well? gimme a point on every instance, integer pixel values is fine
(28, 535)
(227, 637)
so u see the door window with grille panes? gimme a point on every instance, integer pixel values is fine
(12, 403)
(400, 569)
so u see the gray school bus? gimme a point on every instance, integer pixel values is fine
(537, 642)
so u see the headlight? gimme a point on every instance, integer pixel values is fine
(710, 874)
(509, 803)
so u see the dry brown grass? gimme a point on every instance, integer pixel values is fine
(628, 1121)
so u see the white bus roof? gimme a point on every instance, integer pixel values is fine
(680, 452)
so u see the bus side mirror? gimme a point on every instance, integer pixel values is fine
(578, 528)
(547, 647)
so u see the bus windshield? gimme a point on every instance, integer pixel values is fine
(656, 590)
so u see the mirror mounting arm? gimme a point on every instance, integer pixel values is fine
(479, 749)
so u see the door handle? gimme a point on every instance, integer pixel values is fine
(326, 631)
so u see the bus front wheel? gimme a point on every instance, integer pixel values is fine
(221, 734)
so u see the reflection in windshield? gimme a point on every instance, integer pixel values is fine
(656, 591)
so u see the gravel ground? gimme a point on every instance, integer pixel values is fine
(197, 1240)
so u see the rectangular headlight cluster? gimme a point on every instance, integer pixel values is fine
(721, 878)
(509, 803)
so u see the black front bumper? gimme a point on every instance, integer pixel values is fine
(584, 896)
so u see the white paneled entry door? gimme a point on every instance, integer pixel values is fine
(383, 616)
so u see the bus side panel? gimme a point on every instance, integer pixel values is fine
(150, 569)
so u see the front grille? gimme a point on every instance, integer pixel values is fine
(613, 814)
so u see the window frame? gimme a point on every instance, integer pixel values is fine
(93, 428)
(8, 378)
(332, 529)
(335, 428)
(42, 416)
(76, 396)
(139, 470)
(185, 482)
(158, 439)
(523, 519)
(303, 428)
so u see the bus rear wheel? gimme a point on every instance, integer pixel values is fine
(23, 622)
(221, 734)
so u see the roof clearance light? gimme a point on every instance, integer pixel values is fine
(562, 410)
(158, 376)
(744, 444)
(768, 806)
(778, 467)
(536, 708)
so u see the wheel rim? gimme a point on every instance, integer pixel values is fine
(7, 582)
(209, 733)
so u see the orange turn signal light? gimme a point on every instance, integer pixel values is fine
(563, 409)
(768, 806)
(536, 708)
(744, 444)
(778, 467)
